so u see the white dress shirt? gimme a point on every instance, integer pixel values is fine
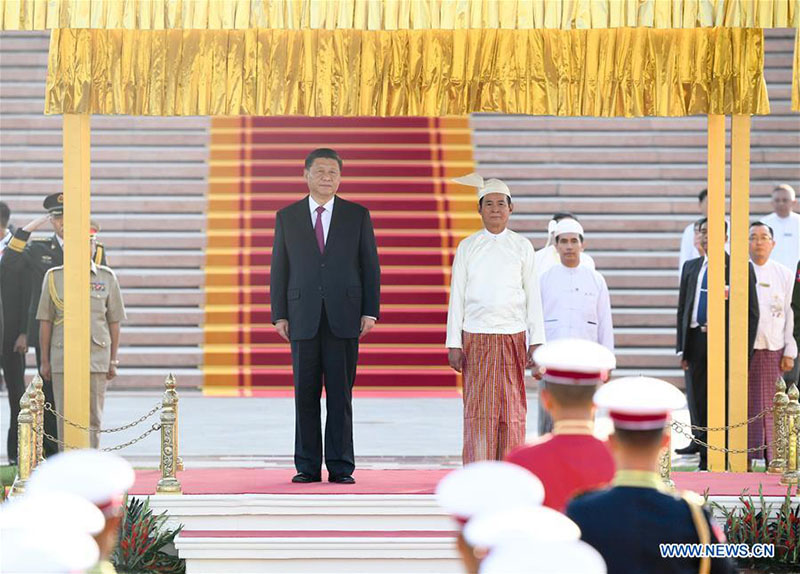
(576, 304)
(326, 215)
(787, 238)
(688, 249)
(6, 239)
(494, 288)
(548, 257)
(774, 284)
(696, 303)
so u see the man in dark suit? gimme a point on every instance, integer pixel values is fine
(692, 341)
(325, 296)
(24, 264)
(15, 288)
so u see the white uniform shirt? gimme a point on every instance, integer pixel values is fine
(688, 249)
(774, 284)
(787, 238)
(548, 257)
(494, 288)
(576, 304)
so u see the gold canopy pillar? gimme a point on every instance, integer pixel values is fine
(77, 255)
(739, 291)
(716, 290)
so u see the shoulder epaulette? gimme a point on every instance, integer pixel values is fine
(692, 497)
(106, 268)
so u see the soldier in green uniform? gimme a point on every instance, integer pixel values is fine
(107, 310)
(29, 259)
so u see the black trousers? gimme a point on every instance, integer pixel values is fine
(329, 360)
(50, 423)
(696, 354)
(14, 376)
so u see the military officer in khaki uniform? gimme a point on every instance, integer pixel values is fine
(107, 310)
(24, 264)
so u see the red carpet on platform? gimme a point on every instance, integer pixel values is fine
(400, 169)
(392, 481)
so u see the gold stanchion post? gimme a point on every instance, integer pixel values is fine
(38, 421)
(790, 475)
(665, 462)
(25, 447)
(779, 402)
(170, 384)
(168, 483)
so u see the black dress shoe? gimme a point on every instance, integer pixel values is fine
(692, 448)
(342, 479)
(302, 477)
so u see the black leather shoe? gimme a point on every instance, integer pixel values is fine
(342, 479)
(691, 449)
(302, 477)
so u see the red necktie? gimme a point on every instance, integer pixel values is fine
(318, 231)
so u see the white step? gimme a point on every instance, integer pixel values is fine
(339, 554)
(379, 512)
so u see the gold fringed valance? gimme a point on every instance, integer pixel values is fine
(394, 14)
(625, 72)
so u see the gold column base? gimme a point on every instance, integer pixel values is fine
(169, 486)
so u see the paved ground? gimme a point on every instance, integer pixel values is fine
(388, 432)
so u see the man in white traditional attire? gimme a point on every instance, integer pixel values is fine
(547, 256)
(785, 223)
(775, 347)
(575, 299)
(494, 323)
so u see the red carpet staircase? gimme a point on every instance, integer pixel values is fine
(399, 168)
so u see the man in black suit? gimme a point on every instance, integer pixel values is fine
(325, 296)
(692, 341)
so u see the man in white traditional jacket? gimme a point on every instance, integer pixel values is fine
(547, 256)
(785, 223)
(575, 299)
(775, 348)
(494, 323)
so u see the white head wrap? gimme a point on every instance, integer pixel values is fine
(568, 225)
(551, 229)
(485, 187)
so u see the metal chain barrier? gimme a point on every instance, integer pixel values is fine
(64, 445)
(680, 428)
(30, 423)
(785, 443)
(48, 407)
(748, 422)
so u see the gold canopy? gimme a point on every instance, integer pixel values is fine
(406, 57)
(395, 14)
(622, 72)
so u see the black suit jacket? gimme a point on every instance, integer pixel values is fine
(689, 276)
(26, 263)
(346, 277)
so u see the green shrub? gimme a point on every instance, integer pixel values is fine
(754, 523)
(142, 539)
